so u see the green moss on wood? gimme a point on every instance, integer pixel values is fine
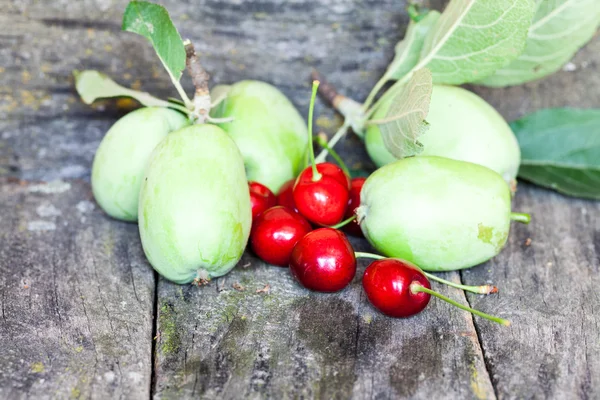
(169, 338)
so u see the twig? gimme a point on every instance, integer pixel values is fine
(200, 78)
(199, 75)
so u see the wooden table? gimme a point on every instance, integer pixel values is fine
(85, 316)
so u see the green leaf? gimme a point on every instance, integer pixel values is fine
(558, 30)
(560, 149)
(405, 121)
(474, 38)
(408, 50)
(92, 85)
(153, 22)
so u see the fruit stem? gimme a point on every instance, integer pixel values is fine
(523, 218)
(343, 223)
(316, 175)
(361, 254)
(323, 143)
(334, 139)
(483, 289)
(416, 287)
(201, 104)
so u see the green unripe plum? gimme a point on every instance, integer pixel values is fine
(462, 126)
(437, 213)
(120, 160)
(268, 130)
(194, 208)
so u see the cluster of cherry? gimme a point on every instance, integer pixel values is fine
(323, 259)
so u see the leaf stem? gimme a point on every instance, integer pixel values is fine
(343, 223)
(316, 175)
(380, 83)
(523, 218)
(416, 287)
(186, 100)
(158, 102)
(483, 289)
(383, 98)
(333, 141)
(323, 143)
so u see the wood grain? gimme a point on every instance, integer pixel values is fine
(549, 291)
(83, 327)
(76, 296)
(220, 342)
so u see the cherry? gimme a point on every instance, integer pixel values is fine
(275, 233)
(387, 284)
(323, 261)
(353, 227)
(261, 198)
(286, 195)
(322, 200)
(400, 289)
(321, 190)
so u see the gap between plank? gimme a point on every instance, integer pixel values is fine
(486, 363)
(153, 337)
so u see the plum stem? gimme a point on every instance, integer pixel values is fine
(416, 287)
(323, 143)
(343, 223)
(482, 289)
(311, 108)
(523, 218)
(201, 104)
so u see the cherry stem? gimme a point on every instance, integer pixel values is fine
(343, 223)
(483, 289)
(311, 108)
(323, 143)
(521, 217)
(416, 287)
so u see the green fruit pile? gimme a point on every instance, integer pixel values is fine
(200, 174)
(187, 184)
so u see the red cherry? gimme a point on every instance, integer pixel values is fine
(387, 285)
(335, 172)
(261, 198)
(323, 260)
(275, 233)
(324, 201)
(286, 195)
(353, 227)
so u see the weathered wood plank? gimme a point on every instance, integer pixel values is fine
(219, 342)
(76, 296)
(47, 134)
(549, 290)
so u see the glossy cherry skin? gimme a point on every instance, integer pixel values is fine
(323, 261)
(353, 227)
(261, 198)
(322, 202)
(387, 285)
(275, 233)
(286, 195)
